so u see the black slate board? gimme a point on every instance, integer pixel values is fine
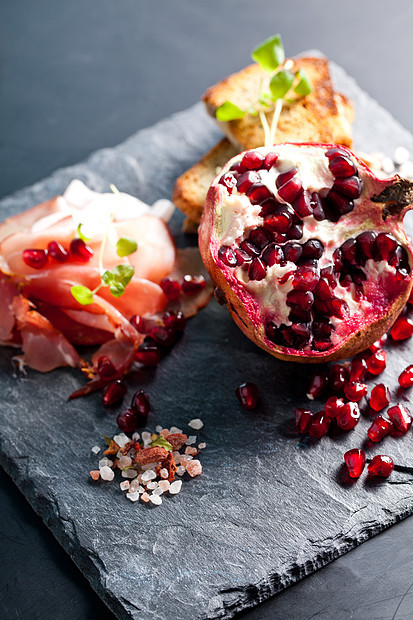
(269, 508)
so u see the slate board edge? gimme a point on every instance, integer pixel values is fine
(248, 595)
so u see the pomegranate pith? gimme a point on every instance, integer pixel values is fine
(381, 465)
(355, 460)
(309, 250)
(247, 394)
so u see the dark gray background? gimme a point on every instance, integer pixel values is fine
(86, 74)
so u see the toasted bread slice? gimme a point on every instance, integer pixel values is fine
(321, 116)
(191, 187)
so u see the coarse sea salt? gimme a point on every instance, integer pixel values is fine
(145, 497)
(105, 462)
(175, 487)
(158, 428)
(180, 470)
(129, 473)
(194, 468)
(134, 486)
(95, 449)
(124, 486)
(124, 461)
(202, 445)
(191, 440)
(157, 491)
(152, 485)
(196, 424)
(149, 474)
(163, 473)
(164, 485)
(135, 436)
(155, 499)
(106, 473)
(175, 429)
(133, 496)
(121, 439)
(146, 437)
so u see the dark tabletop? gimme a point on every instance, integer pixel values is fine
(86, 74)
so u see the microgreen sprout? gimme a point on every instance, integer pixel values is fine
(273, 91)
(120, 276)
(81, 235)
(162, 442)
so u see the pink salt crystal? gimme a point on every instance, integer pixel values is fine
(180, 470)
(124, 486)
(202, 445)
(190, 450)
(145, 497)
(164, 473)
(194, 468)
(124, 461)
(165, 432)
(95, 474)
(164, 485)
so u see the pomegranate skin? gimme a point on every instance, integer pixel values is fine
(385, 200)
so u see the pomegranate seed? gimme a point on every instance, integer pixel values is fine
(260, 237)
(36, 259)
(237, 167)
(303, 419)
(402, 329)
(319, 425)
(258, 192)
(249, 248)
(338, 377)
(401, 418)
(141, 406)
(378, 344)
(339, 308)
(381, 465)
(269, 206)
(338, 260)
(318, 385)
(322, 327)
(341, 166)
(386, 245)
(322, 345)
(317, 206)
(227, 255)
(348, 251)
(252, 160)
(302, 204)
(323, 290)
(148, 355)
(257, 270)
(272, 255)
(355, 391)
(127, 420)
(406, 377)
(358, 369)
(341, 205)
(336, 150)
(376, 363)
(334, 406)
(105, 367)
(80, 251)
(174, 320)
(305, 278)
(229, 181)
(290, 190)
(379, 428)
(270, 160)
(349, 416)
(300, 299)
(410, 300)
(379, 397)
(56, 251)
(366, 244)
(313, 248)
(355, 460)
(113, 392)
(246, 180)
(171, 288)
(139, 323)
(280, 222)
(293, 251)
(349, 187)
(247, 394)
(295, 232)
(164, 336)
(328, 274)
(284, 177)
(191, 285)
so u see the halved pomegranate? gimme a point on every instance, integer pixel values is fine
(310, 251)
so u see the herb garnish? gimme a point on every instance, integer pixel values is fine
(270, 56)
(162, 442)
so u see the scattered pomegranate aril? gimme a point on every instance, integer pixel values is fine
(349, 416)
(354, 391)
(334, 406)
(56, 251)
(192, 285)
(401, 418)
(141, 405)
(260, 237)
(381, 465)
(406, 377)
(171, 288)
(402, 329)
(164, 336)
(247, 394)
(338, 377)
(148, 355)
(127, 420)
(319, 425)
(318, 385)
(303, 419)
(358, 369)
(376, 346)
(105, 367)
(138, 323)
(379, 428)
(379, 397)
(376, 363)
(80, 251)
(113, 392)
(355, 460)
(36, 259)
(174, 320)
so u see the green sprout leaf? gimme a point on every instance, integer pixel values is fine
(270, 53)
(303, 87)
(281, 83)
(161, 441)
(107, 277)
(228, 111)
(82, 294)
(81, 235)
(123, 274)
(117, 289)
(126, 246)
